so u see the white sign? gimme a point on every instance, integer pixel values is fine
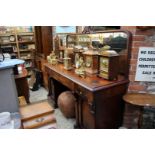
(146, 64)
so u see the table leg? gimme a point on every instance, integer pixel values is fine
(140, 118)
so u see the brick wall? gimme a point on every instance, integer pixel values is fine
(140, 38)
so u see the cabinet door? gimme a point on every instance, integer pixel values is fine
(44, 41)
(88, 117)
(85, 113)
(38, 35)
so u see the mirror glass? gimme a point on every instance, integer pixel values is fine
(117, 40)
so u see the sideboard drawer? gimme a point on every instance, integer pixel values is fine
(66, 82)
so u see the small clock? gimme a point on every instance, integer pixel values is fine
(67, 63)
(78, 52)
(12, 38)
(91, 61)
(108, 65)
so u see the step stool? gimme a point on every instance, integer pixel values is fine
(38, 116)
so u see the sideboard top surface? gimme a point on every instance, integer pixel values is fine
(92, 83)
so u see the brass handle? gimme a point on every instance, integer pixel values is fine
(39, 120)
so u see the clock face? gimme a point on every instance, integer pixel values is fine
(88, 61)
(104, 67)
(104, 63)
(12, 38)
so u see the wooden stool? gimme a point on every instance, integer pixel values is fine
(141, 100)
(38, 116)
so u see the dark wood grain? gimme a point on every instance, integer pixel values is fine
(99, 101)
(44, 46)
(92, 83)
(44, 41)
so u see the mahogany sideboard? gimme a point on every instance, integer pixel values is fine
(99, 102)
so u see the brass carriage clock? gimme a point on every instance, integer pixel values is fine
(91, 61)
(67, 63)
(78, 52)
(70, 54)
(67, 60)
(108, 65)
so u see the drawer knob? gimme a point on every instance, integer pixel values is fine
(39, 120)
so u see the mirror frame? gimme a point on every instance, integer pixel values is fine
(129, 40)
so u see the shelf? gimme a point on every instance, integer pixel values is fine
(8, 43)
(26, 42)
(26, 50)
(25, 34)
(7, 35)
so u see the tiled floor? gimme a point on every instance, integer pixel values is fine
(62, 122)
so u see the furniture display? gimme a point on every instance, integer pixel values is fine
(20, 42)
(8, 92)
(22, 85)
(99, 101)
(140, 100)
(8, 41)
(26, 48)
(38, 116)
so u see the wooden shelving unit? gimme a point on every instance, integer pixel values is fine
(7, 43)
(26, 42)
(23, 44)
